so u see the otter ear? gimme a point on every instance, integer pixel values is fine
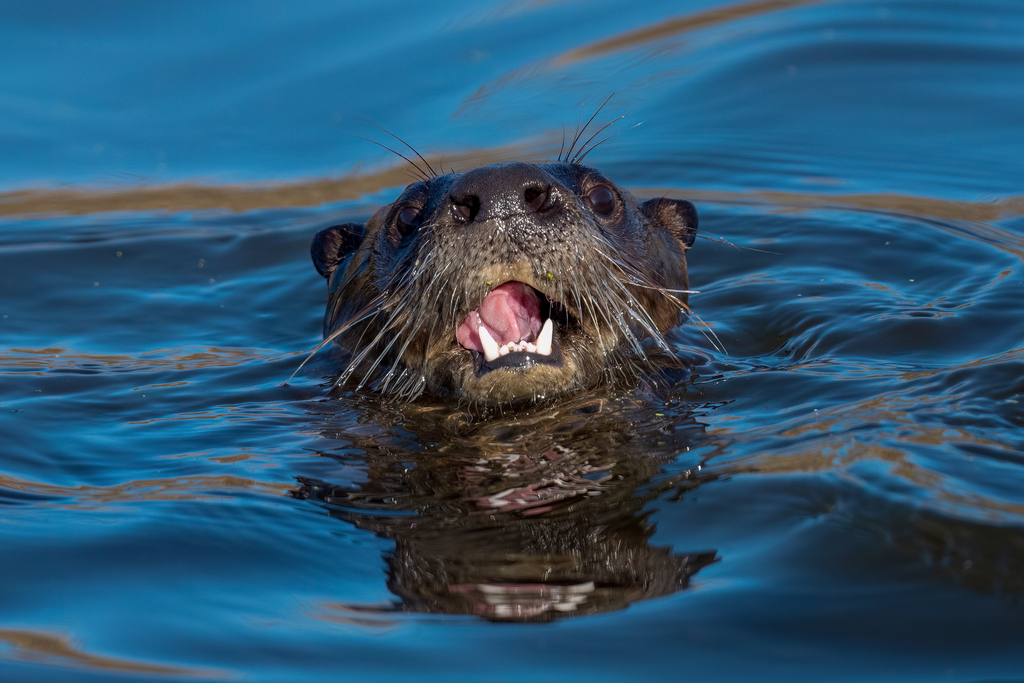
(333, 244)
(678, 216)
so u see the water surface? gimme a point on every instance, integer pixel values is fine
(833, 492)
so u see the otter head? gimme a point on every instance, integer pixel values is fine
(507, 283)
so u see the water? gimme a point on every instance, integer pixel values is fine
(834, 493)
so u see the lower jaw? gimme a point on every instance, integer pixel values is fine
(520, 386)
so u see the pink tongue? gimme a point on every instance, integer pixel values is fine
(511, 313)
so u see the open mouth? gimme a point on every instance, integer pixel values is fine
(513, 327)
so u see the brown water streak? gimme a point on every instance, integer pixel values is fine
(176, 488)
(53, 649)
(675, 26)
(197, 196)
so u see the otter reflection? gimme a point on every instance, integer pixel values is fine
(509, 524)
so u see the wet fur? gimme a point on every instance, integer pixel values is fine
(397, 296)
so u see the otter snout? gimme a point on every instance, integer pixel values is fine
(504, 190)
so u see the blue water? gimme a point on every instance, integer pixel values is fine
(834, 492)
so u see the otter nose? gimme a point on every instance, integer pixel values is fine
(502, 190)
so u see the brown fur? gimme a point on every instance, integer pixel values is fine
(613, 273)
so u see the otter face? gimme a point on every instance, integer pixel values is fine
(507, 283)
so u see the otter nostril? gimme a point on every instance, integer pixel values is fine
(538, 198)
(466, 207)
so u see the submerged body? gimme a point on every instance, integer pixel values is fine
(507, 283)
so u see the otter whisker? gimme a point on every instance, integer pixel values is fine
(583, 151)
(629, 302)
(357, 361)
(628, 334)
(438, 319)
(580, 131)
(579, 160)
(438, 291)
(577, 137)
(412, 175)
(618, 322)
(403, 285)
(644, 320)
(622, 266)
(702, 326)
(414, 323)
(583, 304)
(423, 175)
(665, 291)
(738, 246)
(369, 310)
(627, 330)
(388, 325)
(586, 307)
(659, 288)
(632, 303)
(637, 278)
(583, 154)
(411, 386)
(612, 303)
(387, 347)
(668, 293)
(390, 375)
(408, 385)
(433, 173)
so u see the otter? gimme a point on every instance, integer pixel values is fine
(506, 284)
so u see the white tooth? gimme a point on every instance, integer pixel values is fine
(490, 346)
(532, 348)
(544, 338)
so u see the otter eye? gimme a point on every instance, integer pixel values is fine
(601, 200)
(409, 219)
